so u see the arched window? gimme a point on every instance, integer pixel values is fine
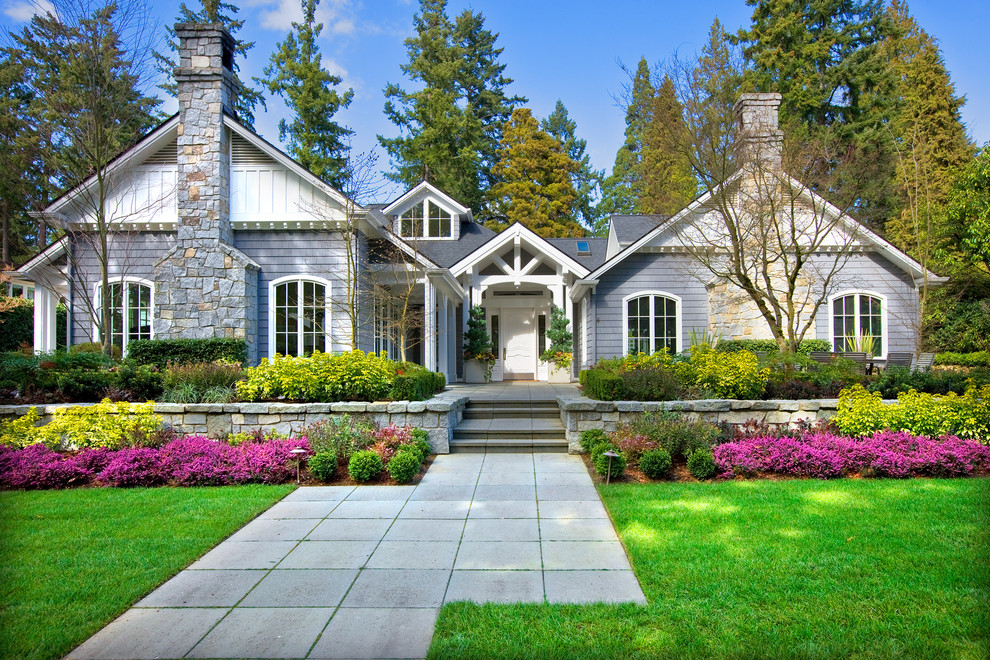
(131, 311)
(856, 316)
(652, 322)
(299, 317)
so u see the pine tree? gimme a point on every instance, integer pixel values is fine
(213, 11)
(449, 130)
(930, 139)
(296, 73)
(666, 181)
(21, 148)
(622, 188)
(824, 58)
(586, 180)
(534, 185)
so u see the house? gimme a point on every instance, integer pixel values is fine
(218, 233)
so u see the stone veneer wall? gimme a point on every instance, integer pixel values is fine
(580, 413)
(438, 416)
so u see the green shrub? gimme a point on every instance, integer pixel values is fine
(181, 393)
(601, 461)
(218, 394)
(138, 382)
(701, 464)
(959, 325)
(677, 435)
(770, 345)
(162, 352)
(895, 380)
(95, 347)
(421, 440)
(364, 465)
(603, 385)
(323, 465)
(591, 437)
(652, 384)
(728, 375)
(404, 466)
(977, 359)
(655, 463)
(16, 323)
(417, 385)
(340, 434)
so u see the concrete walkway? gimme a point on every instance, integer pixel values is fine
(343, 572)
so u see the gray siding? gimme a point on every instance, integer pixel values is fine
(131, 255)
(872, 272)
(643, 272)
(304, 253)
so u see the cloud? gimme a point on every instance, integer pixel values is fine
(337, 16)
(21, 11)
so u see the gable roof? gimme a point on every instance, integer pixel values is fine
(517, 229)
(590, 261)
(425, 188)
(896, 256)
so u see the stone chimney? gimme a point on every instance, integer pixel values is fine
(205, 287)
(759, 139)
(206, 88)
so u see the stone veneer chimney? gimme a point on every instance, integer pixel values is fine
(758, 135)
(204, 286)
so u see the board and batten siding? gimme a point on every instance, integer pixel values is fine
(637, 273)
(132, 255)
(872, 272)
(302, 253)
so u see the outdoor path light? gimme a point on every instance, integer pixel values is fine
(611, 454)
(298, 452)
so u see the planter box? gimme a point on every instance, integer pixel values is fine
(559, 375)
(474, 371)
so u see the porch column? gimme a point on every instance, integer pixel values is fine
(429, 325)
(441, 338)
(44, 319)
(451, 342)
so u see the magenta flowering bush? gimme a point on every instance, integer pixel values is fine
(896, 454)
(189, 461)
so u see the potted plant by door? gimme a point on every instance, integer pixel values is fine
(478, 356)
(558, 354)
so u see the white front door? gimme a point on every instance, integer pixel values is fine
(518, 345)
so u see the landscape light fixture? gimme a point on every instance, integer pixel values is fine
(611, 454)
(297, 452)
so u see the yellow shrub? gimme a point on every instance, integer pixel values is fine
(967, 416)
(22, 431)
(320, 377)
(107, 424)
(728, 375)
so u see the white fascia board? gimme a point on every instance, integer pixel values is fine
(499, 240)
(445, 280)
(44, 258)
(427, 190)
(284, 160)
(145, 147)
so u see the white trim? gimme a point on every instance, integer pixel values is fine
(125, 279)
(520, 231)
(424, 203)
(678, 313)
(431, 191)
(302, 277)
(884, 325)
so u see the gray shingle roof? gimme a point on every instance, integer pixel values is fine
(631, 228)
(446, 253)
(569, 247)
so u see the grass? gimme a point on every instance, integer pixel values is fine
(72, 561)
(764, 569)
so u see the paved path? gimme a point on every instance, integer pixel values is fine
(343, 572)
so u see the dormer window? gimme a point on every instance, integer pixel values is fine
(437, 221)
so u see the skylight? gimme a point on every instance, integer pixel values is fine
(583, 248)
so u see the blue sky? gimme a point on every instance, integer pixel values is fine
(561, 49)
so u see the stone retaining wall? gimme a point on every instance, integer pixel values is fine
(580, 413)
(438, 416)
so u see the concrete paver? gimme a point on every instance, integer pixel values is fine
(345, 572)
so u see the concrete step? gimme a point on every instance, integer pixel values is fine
(505, 446)
(507, 425)
(471, 412)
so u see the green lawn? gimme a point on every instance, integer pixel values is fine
(71, 561)
(789, 569)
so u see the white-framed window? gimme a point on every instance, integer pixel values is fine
(298, 315)
(651, 321)
(132, 306)
(387, 327)
(854, 315)
(426, 220)
(15, 290)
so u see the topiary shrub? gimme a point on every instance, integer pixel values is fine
(656, 463)
(603, 386)
(701, 464)
(601, 461)
(592, 437)
(323, 465)
(162, 352)
(364, 465)
(404, 466)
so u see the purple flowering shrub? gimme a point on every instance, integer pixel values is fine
(189, 461)
(823, 455)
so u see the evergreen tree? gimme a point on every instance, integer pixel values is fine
(622, 187)
(449, 130)
(929, 137)
(21, 152)
(214, 11)
(586, 180)
(666, 181)
(296, 73)
(968, 212)
(824, 58)
(534, 181)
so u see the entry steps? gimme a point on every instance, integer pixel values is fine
(510, 425)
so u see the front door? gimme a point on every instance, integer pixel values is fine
(518, 345)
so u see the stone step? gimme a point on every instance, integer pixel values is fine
(508, 445)
(471, 412)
